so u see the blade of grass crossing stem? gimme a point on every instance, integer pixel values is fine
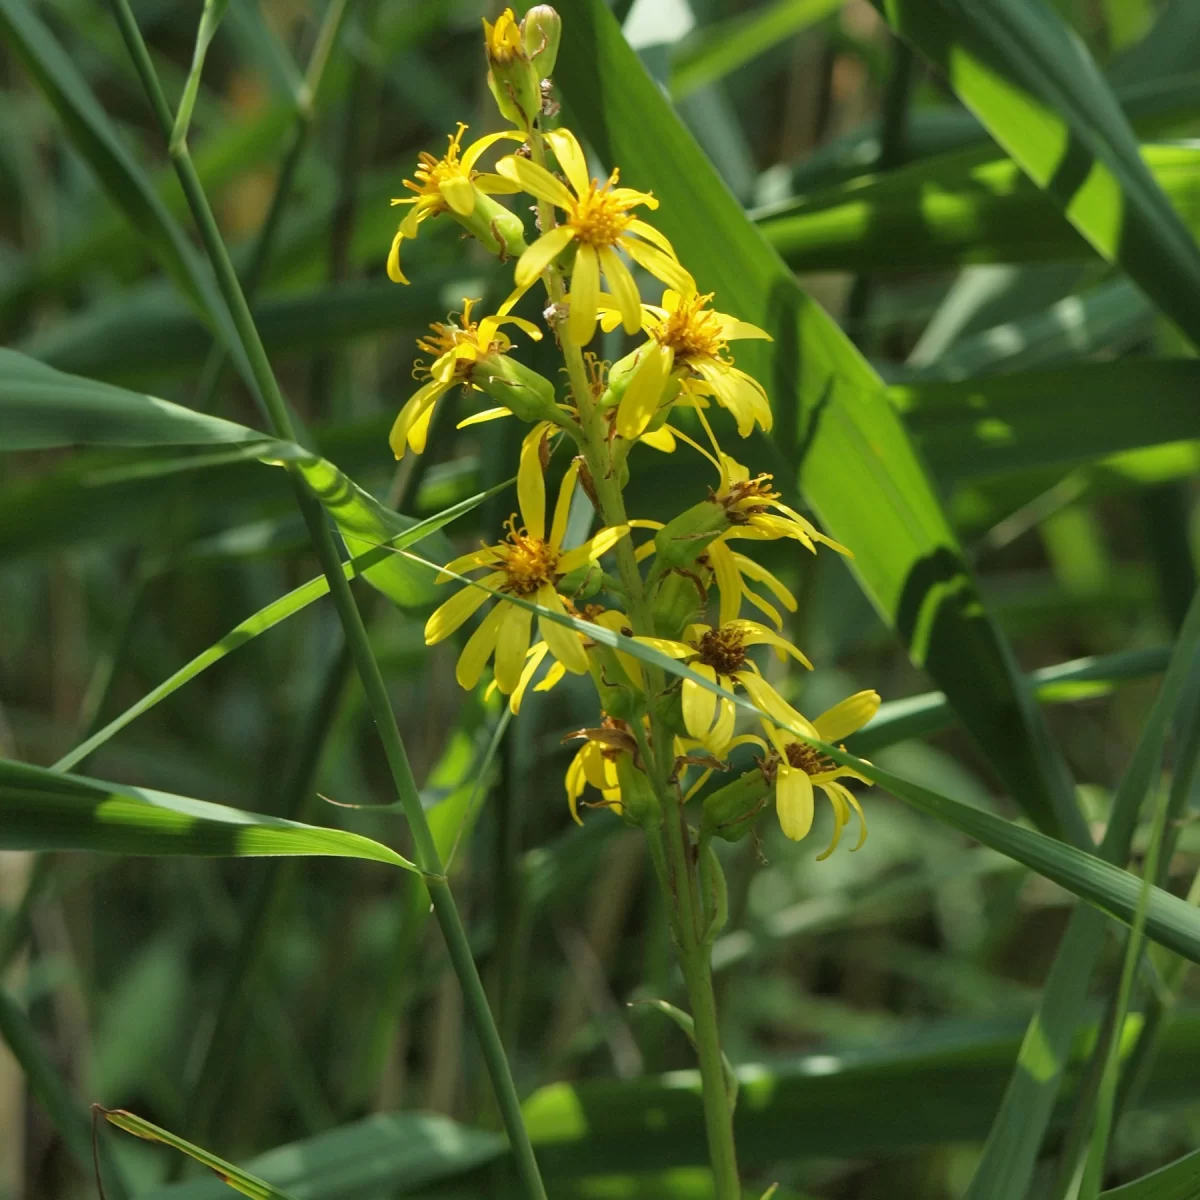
(1031, 81)
(1006, 1167)
(379, 703)
(239, 1180)
(119, 175)
(848, 448)
(68, 1116)
(1179, 1180)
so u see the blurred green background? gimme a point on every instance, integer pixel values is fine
(876, 1000)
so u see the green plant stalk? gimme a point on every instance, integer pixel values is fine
(424, 849)
(677, 874)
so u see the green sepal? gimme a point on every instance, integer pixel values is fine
(527, 394)
(683, 540)
(679, 599)
(639, 804)
(500, 231)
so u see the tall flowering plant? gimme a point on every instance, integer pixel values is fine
(678, 588)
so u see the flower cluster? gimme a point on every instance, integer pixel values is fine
(607, 605)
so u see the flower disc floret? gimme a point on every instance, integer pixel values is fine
(530, 563)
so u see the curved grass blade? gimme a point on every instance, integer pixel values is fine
(227, 1173)
(42, 809)
(46, 409)
(835, 433)
(1034, 85)
(1179, 1180)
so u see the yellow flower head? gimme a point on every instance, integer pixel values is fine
(689, 336)
(595, 763)
(503, 41)
(719, 655)
(599, 220)
(458, 346)
(447, 184)
(527, 564)
(755, 510)
(799, 767)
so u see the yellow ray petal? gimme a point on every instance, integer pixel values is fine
(538, 257)
(479, 648)
(535, 180)
(476, 148)
(562, 506)
(564, 643)
(531, 484)
(455, 612)
(699, 704)
(393, 260)
(480, 418)
(624, 290)
(847, 716)
(794, 803)
(729, 580)
(533, 660)
(570, 157)
(661, 266)
(841, 814)
(642, 396)
(594, 548)
(585, 294)
(512, 641)
(458, 194)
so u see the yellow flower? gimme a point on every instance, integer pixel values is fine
(502, 41)
(800, 767)
(458, 346)
(527, 564)
(686, 333)
(598, 220)
(448, 184)
(755, 510)
(719, 655)
(595, 763)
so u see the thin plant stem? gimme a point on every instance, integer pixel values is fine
(673, 856)
(424, 848)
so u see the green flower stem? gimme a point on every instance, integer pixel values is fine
(424, 849)
(673, 855)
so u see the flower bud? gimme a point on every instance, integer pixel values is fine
(528, 395)
(639, 804)
(730, 812)
(680, 542)
(512, 78)
(500, 231)
(541, 32)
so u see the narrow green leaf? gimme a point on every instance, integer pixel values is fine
(1179, 1180)
(966, 207)
(42, 809)
(719, 49)
(1034, 85)
(834, 428)
(239, 1180)
(45, 409)
(210, 18)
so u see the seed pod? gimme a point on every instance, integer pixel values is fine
(730, 812)
(541, 32)
(527, 394)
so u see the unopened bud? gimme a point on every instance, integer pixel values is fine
(500, 231)
(512, 78)
(526, 394)
(541, 33)
(730, 812)
(679, 599)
